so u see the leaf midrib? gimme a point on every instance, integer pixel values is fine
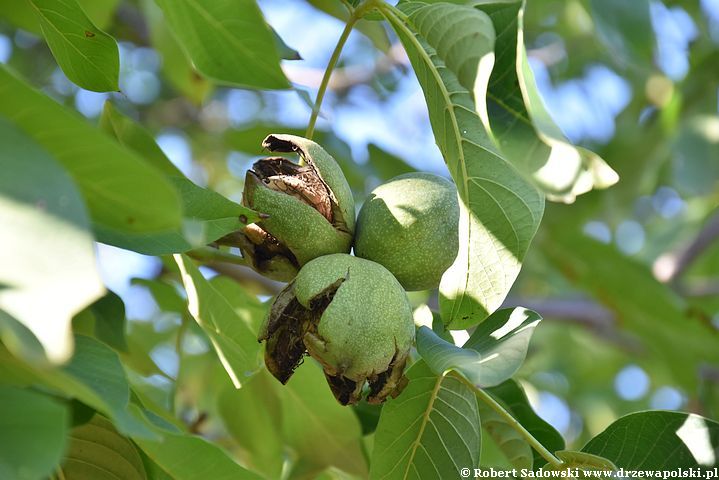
(425, 420)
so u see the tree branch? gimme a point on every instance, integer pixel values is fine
(670, 266)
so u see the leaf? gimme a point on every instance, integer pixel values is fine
(659, 440)
(493, 353)
(285, 51)
(431, 429)
(227, 40)
(656, 315)
(121, 191)
(512, 397)
(580, 460)
(33, 427)
(98, 452)
(694, 167)
(320, 431)
(88, 56)
(47, 254)
(93, 376)
(499, 210)
(245, 304)
(386, 165)
(209, 214)
(235, 344)
(177, 70)
(522, 127)
(626, 30)
(105, 320)
(21, 13)
(187, 457)
(256, 430)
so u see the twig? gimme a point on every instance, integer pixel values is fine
(670, 266)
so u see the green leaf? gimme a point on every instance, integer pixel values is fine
(522, 127)
(512, 397)
(257, 430)
(22, 14)
(656, 315)
(246, 305)
(94, 376)
(235, 344)
(430, 431)
(110, 321)
(33, 431)
(385, 164)
(87, 55)
(177, 70)
(187, 457)
(208, 215)
(626, 30)
(582, 461)
(98, 452)
(320, 432)
(659, 440)
(47, 254)
(694, 167)
(493, 353)
(121, 191)
(499, 210)
(227, 40)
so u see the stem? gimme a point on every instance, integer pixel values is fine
(178, 349)
(208, 254)
(528, 437)
(328, 71)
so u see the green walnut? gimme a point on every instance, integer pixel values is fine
(307, 208)
(352, 316)
(410, 225)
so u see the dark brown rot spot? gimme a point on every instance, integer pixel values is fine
(243, 219)
(89, 34)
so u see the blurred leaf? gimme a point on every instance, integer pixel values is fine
(21, 14)
(499, 210)
(247, 306)
(235, 344)
(523, 128)
(256, 430)
(430, 429)
(493, 353)
(285, 51)
(176, 68)
(227, 40)
(98, 452)
(187, 457)
(626, 30)
(319, 430)
(209, 214)
(94, 376)
(385, 164)
(120, 190)
(166, 296)
(88, 56)
(643, 306)
(512, 397)
(659, 440)
(47, 254)
(105, 320)
(695, 168)
(375, 31)
(33, 430)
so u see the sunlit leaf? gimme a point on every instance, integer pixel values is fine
(499, 210)
(87, 55)
(227, 40)
(33, 430)
(120, 190)
(659, 440)
(523, 128)
(235, 344)
(430, 431)
(47, 255)
(493, 353)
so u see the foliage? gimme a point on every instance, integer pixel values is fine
(624, 277)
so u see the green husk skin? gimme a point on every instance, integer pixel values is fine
(300, 231)
(349, 314)
(297, 225)
(327, 168)
(410, 226)
(368, 320)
